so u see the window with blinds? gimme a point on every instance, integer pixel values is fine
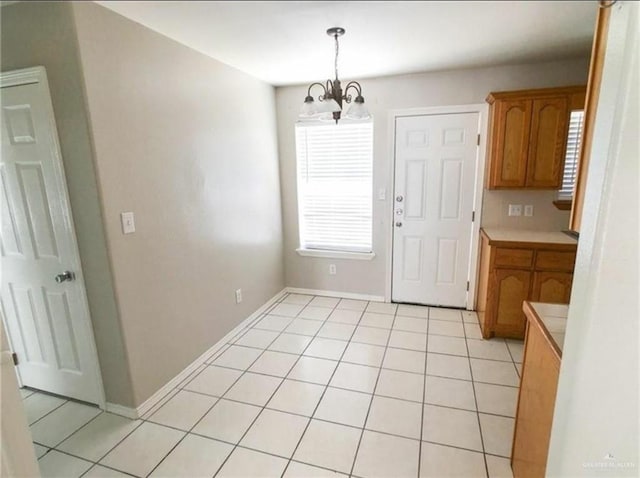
(571, 157)
(335, 169)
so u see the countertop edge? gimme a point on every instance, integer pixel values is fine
(534, 319)
(528, 244)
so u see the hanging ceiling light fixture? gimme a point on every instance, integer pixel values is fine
(330, 102)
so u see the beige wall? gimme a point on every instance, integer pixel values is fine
(398, 92)
(189, 145)
(43, 33)
(546, 217)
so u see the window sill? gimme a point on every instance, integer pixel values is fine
(361, 256)
(563, 204)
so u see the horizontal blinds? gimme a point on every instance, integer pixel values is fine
(335, 168)
(571, 158)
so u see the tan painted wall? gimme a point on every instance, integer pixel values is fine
(189, 145)
(397, 92)
(43, 33)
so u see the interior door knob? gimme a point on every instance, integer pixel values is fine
(399, 198)
(398, 224)
(65, 276)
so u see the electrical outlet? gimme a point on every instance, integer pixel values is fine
(515, 209)
(238, 296)
(528, 210)
(332, 269)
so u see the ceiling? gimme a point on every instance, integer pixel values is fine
(285, 43)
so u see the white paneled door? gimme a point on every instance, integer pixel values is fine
(435, 167)
(43, 297)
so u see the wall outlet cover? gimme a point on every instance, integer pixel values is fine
(332, 269)
(238, 296)
(528, 210)
(515, 209)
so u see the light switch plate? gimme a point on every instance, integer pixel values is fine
(128, 223)
(515, 209)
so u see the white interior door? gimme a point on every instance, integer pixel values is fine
(46, 312)
(435, 164)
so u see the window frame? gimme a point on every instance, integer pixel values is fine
(331, 252)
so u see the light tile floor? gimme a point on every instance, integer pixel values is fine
(317, 386)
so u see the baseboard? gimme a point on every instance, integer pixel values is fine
(175, 381)
(332, 293)
(121, 410)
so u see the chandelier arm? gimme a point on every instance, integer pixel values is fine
(356, 86)
(314, 84)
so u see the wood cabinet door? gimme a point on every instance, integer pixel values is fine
(547, 142)
(512, 122)
(552, 287)
(510, 288)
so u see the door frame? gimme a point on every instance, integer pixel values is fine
(38, 75)
(483, 117)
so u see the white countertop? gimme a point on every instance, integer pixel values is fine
(511, 235)
(554, 318)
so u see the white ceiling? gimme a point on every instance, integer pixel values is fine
(285, 42)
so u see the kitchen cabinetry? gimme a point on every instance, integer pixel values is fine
(538, 387)
(528, 137)
(517, 269)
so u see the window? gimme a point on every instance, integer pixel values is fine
(571, 158)
(335, 166)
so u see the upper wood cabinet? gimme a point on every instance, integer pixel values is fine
(528, 139)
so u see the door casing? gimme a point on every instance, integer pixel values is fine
(483, 112)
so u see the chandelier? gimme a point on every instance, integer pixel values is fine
(329, 105)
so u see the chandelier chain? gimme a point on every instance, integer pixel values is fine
(337, 52)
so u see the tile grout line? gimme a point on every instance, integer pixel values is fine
(263, 407)
(355, 456)
(424, 393)
(326, 387)
(475, 398)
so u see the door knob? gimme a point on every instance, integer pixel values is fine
(399, 198)
(398, 224)
(65, 276)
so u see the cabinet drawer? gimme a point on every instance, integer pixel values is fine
(513, 257)
(555, 261)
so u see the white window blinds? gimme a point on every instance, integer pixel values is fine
(571, 157)
(335, 167)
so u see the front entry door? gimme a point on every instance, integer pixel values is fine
(435, 167)
(45, 310)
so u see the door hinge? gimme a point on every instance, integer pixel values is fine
(467, 286)
(478, 143)
(14, 356)
(473, 216)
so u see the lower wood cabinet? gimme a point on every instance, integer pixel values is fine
(512, 272)
(509, 289)
(552, 287)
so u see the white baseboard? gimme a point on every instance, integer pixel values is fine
(175, 381)
(332, 293)
(121, 410)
